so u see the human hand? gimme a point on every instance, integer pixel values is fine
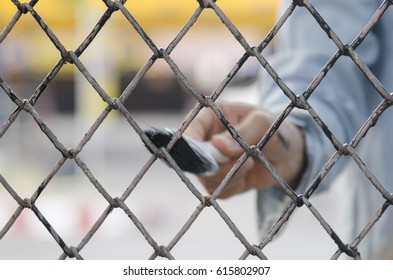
(285, 150)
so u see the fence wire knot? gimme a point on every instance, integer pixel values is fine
(207, 201)
(204, 3)
(26, 203)
(298, 2)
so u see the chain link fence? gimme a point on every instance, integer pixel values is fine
(112, 104)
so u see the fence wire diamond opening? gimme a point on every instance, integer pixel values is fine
(25, 109)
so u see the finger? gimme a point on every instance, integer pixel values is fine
(235, 185)
(201, 126)
(251, 129)
(206, 123)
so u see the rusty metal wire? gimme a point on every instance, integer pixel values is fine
(164, 54)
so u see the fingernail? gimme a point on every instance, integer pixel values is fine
(229, 143)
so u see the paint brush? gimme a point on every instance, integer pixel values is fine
(197, 157)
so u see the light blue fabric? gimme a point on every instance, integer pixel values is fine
(343, 100)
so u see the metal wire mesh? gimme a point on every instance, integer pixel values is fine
(117, 104)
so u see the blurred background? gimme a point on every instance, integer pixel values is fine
(115, 154)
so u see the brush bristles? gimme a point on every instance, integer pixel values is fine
(187, 154)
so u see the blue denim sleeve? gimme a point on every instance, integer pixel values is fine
(301, 50)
